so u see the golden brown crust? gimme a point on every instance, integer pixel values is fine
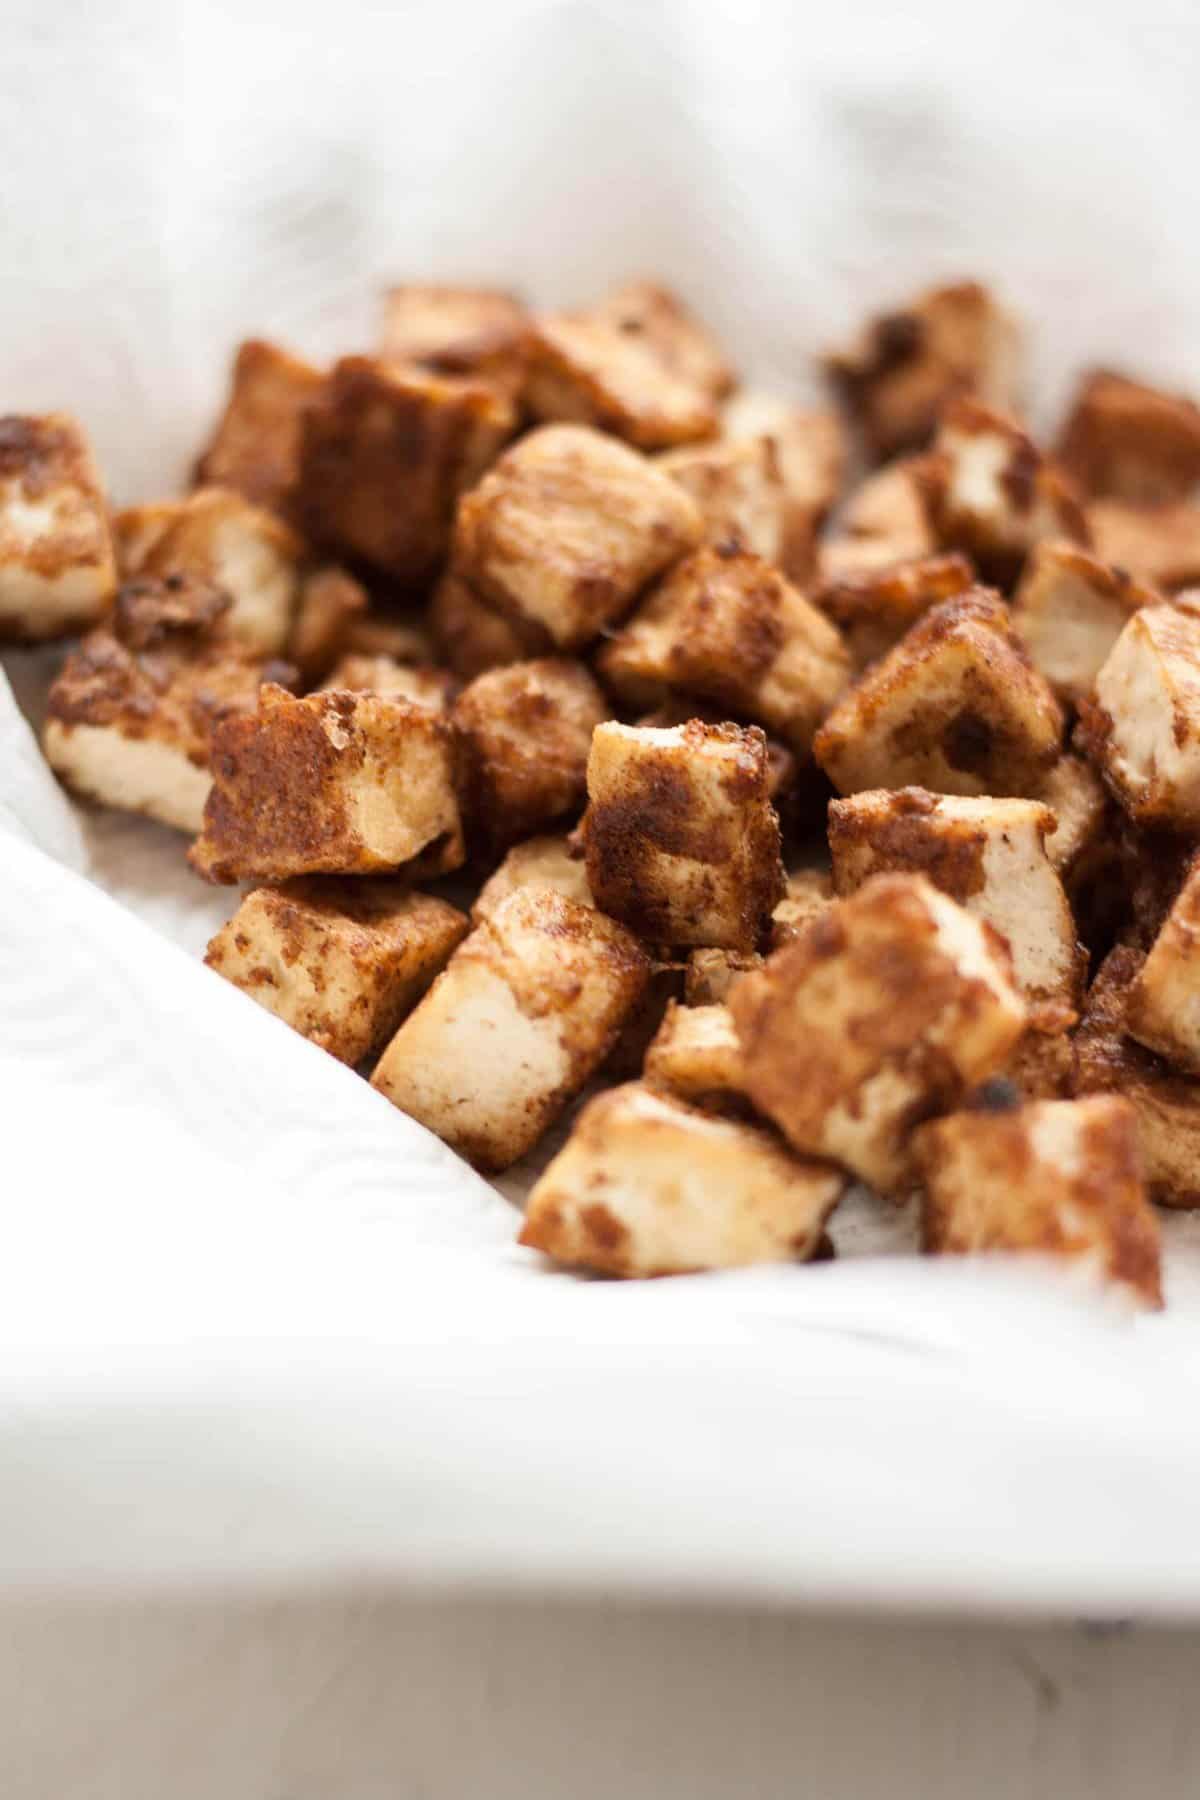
(1162, 1006)
(482, 332)
(808, 893)
(998, 495)
(738, 487)
(256, 446)
(695, 1056)
(887, 520)
(423, 684)
(1070, 608)
(57, 572)
(1126, 441)
(472, 636)
(710, 974)
(1158, 544)
(330, 602)
(875, 607)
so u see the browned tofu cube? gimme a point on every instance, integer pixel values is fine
(808, 893)
(420, 683)
(472, 636)
(737, 485)
(1159, 545)
(330, 603)
(57, 573)
(1070, 609)
(1058, 1177)
(988, 854)
(647, 1186)
(710, 974)
(385, 456)
(526, 1010)
(906, 364)
(636, 365)
(883, 1013)
(727, 626)
(810, 455)
(335, 784)
(215, 535)
(568, 528)
(1076, 796)
(402, 636)
(131, 714)
(956, 707)
(1042, 1067)
(1143, 731)
(1167, 1104)
(782, 767)
(887, 520)
(458, 331)
(875, 607)
(256, 447)
(696, 1057)
(1164, 1001)
(526, 731)
(1126, 441)
(997, 495)
(341, 962)
(540, 864)
(682, 842)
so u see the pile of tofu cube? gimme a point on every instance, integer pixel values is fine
(818, 789)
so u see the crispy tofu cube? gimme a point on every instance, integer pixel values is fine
(1164, 1001)
(420, 683)
(782, 767)
(131, 715)
(988, 854)
(875, 607)
(1143, 731)
(57, 573)
(1042, 1067)
(1070, 608)
(330, 603)
(727, 626)
(810, 455)
(1077, 797)
(710, 974)
(527, 1008)
(256, 447)
(1167, 1104)
(458, 331)
(682, 842)
(1130, 442)
(404, 637)
(627, 1057)
(568, 528)
(541, 864)
(341, 962)
(1059, 1177)
(1159, 545)
(739, 490)
(808, 893)
(907, 364)
(998, 495)
(696, 1057)
(385, 456)
(526, 731)
(646, 1186)
(886, 521)
(215, 535)
(956, 707)
(335, 784)
(888, 1008)
(637, 365)
(472, 636)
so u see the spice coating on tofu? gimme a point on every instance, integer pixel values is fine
(57, 569)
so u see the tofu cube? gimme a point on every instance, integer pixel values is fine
(568, 528)
(1042, 1067)
(255, 449)
(422, 684)
(710, 974)
(989, 855)
(472, 637)
(526, 732)
(458, 331)
(682, 842)
(636, 365)
(1079, 801)
(1167, 1104)
(525, 1011)
(696, 1057)
(335, 784)
(905, 365)
(727, 626)
(875, 607)
(57, 572)
(956, 707)
(341, 962)
(737, 485)
(646, 1186)
(887, 520)
(329, 604)
(807, 895)
(998, 495)
(782, 768)
(1070, 608)
(1143, 731)
(1164, 1001)
(1159, 545)
(887, 1009)
(130, 717)
(1131, 442)
(385, 456)
(810, 456)
(215, 535)
(1057, 1177)
(405, 637)
(540, 865)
